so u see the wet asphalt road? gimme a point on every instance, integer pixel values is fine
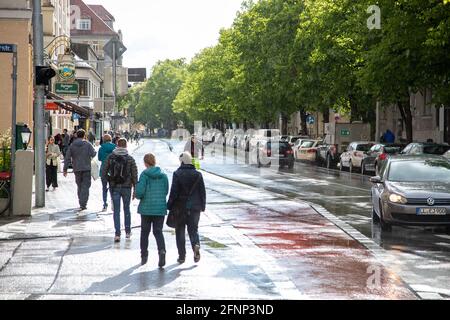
(422, 253)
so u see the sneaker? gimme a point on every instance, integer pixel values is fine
(144, 260)
(181, 260)
(105, 208)
(196, 253)
(162, 259)
(117, 239)
(128, 235)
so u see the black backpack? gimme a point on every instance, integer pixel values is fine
(118, 169)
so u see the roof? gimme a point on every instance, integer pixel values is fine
(102, 12)
(98, 26)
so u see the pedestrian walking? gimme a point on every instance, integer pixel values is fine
(152, 190)
(80, 154)
(59, 141)
(52, 163)
(66, 141)
(121, 172)
(91, 137)
(105, 150)
(187, 192)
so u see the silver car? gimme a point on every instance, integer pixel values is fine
(412, 190)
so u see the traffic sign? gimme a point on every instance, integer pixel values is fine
(119, 48)
(310, 119)
(7, 48)
(66, 88)
(345, 132)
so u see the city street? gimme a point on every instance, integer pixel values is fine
(256, 244)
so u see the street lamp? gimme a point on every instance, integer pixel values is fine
(26, 135)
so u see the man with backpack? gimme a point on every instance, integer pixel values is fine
(121, 172)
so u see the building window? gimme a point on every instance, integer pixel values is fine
(84, 24)
(83, 87)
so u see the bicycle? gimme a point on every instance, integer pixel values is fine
(5, 191)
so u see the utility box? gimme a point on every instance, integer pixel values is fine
(23, 183)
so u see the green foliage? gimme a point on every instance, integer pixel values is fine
(154, 105)
(5, 153)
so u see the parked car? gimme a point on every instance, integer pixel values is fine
(378, 154)
(267, 154)
(298, 144)
(412, 190)
(353, 156)
(426, 148)
(308, 150)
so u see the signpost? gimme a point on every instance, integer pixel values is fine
(12, 48)
(310, 119)
(114, 48)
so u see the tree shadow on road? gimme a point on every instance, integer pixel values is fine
(130, 281)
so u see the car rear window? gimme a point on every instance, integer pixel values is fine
(392, 150)
(420, 171)
(363, 147)
(437, 149)
(307, 144)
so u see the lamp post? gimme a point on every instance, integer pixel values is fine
(26, 135)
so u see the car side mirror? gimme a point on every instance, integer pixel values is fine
(376, 180)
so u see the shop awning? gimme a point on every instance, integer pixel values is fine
(69, 106)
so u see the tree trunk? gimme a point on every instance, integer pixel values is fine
(304, 129)
(284, 124)
(405, 110)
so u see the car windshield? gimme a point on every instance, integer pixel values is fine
(420, 171)
(363, 147)
(435, 149)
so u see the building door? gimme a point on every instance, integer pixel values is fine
(447, 125)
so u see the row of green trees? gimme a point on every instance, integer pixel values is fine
(283, 56)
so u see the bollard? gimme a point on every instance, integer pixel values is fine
(23, 183)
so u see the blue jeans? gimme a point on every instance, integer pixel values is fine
(117, 194)
(105, 191)
(192, 221)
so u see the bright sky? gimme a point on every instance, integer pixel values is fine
(159, 29)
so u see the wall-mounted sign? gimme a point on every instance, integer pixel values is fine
(51, 106)
(345, 132)
(66, 68)
(66, 88)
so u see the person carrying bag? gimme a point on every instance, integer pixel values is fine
(186, 205)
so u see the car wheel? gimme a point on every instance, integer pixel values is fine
(375, 217)
(385, 226)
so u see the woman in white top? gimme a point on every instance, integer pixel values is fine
(53, 153)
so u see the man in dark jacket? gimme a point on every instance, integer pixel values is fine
(121, 172)
(80, 154)
(188, 187)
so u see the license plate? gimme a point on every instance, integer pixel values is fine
(432, 211)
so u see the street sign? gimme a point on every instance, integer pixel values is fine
(66, 88)
(345, 132)
(310, 119)
(7, 48)
(119, 48)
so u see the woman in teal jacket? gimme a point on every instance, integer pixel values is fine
(105, 150)
(152, 190)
